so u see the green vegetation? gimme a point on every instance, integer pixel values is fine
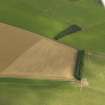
(92, 39)
(94, 70)
(48, 18)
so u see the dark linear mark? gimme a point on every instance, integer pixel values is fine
(71, 29)
(79, 64)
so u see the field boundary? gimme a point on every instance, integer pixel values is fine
(79, 64)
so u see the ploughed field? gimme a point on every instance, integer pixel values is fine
(28, 55)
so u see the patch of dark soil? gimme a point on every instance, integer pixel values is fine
(68, 31)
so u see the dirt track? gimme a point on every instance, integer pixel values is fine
(27, 55)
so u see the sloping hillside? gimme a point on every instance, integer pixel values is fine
(48, 18)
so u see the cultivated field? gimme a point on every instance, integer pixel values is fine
(13, 42)
(49, 17)
(28, 55)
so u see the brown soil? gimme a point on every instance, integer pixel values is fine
(27, 55)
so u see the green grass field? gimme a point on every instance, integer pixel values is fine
(48, 18)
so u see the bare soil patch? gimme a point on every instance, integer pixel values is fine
(27, 55)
